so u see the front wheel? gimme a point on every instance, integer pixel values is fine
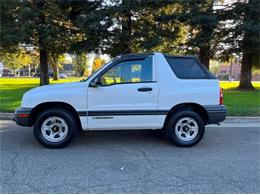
(185, 128)
(55, 128)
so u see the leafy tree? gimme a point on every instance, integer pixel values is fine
(203, 21)
(160, 31)
(98, 63)
(128, 30)
(40, 23)
(79, 64)
(54, 27)
(190, 27)
(56, 62)
(16, 59)
(240, 35)
(92, 20)
(9, 40)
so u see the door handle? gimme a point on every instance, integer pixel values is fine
(144, 89)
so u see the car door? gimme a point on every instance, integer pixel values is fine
(125, 96)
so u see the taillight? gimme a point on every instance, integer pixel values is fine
(23, 115)
(221, 96)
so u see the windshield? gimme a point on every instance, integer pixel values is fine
(87, 78)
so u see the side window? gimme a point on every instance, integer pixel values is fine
(186, 68)
(133, 71)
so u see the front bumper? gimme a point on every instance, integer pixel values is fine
(216, 113)
(22, 116)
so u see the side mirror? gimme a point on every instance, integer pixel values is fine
(95, 83)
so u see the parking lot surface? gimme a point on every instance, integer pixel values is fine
(227, 160)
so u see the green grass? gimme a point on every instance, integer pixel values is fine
(12, 90)
(239, 103)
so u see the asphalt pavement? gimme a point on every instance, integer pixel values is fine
(227, 160)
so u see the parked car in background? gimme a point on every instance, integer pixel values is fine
(135, 91)
(7, 73)
(62, 76)
(37, 75)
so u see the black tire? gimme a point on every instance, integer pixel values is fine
(171, 124)
(60, 113)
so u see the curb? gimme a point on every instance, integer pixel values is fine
(6, 116)
(229, 119)
(245, 119)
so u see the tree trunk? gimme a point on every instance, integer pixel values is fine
(247, 63)
(54, 61)
(206, 38)
(246, 72)
(127, 27)
(44, 76)
(55, 72)
(204, 55)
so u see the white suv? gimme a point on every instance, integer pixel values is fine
(134, 91)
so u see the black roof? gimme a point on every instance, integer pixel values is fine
(180, 56)
(143, 55)
(135, 55)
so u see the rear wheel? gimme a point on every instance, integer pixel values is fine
(55, 128)
(185, 128)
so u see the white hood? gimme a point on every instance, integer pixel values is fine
(67, 92)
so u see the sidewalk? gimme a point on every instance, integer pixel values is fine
(232, 121)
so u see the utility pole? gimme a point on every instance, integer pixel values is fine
(230, 69)
(29, 70)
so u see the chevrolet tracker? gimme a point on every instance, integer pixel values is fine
(134, 91)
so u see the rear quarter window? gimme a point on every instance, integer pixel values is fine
(186, 68)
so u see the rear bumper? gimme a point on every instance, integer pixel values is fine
(216, 113)
(22, 116)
